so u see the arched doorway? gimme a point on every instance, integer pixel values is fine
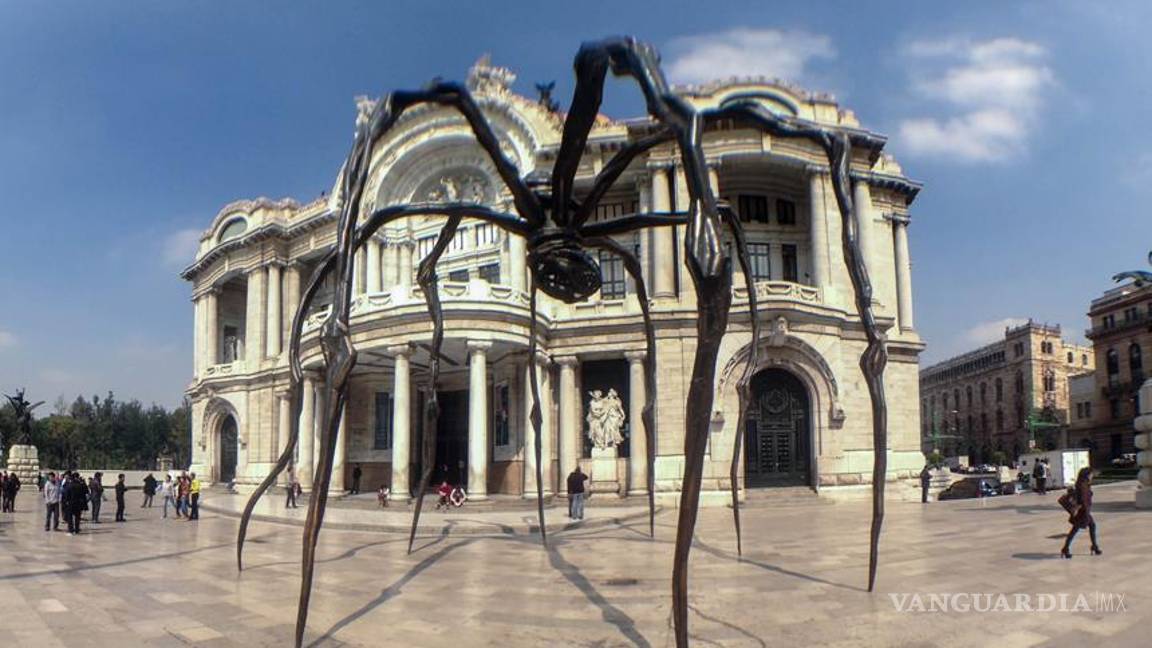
(777, 431)
(228, 449)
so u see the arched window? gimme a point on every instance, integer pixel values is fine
(1019, 382)
(1071, 358)
(968, 391)
(999, 390)
(1112, 365)
(232, 229)
(983, 423)
(956, 397)
(944, 400)
(999, 420)
(1136, 363)
(983, 394)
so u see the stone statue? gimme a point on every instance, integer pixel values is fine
(546, 100)
(605, 419)
(23, 411)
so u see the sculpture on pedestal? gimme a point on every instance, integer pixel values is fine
(605, 419)
(22, 411)
(23, 457)
(555, 221)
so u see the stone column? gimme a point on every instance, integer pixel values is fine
(401, 423)
(818, 230)
(903, 273)
(283, 425)
(391, 261)
(404, 278)
(291, 300)
(254, 320)
(337, 486)
(682, 199)
(569, 418)
(358, 273)
(548, 431)
(211, 346)
(306, 452)
(275, 323)
(1144, 446)
(197, 337)
(518, 257)
(663, 269)
(529, 436)
(862, 197)
(638, 446)
(644, 189)
(373, 281)
(478, 419)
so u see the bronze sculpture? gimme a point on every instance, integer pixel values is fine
(22, 411)
(554, 222)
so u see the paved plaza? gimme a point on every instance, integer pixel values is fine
(154, 582)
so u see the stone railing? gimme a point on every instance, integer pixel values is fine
(450, 291)
(780, 290)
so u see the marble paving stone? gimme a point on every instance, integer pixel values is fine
(800, 582)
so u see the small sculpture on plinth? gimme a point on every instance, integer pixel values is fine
(23, 458)
(605, 419)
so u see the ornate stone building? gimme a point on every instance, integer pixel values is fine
(1121, 336)
(811, 423)
(978, 403)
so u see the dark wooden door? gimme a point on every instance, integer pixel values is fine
(777, 430)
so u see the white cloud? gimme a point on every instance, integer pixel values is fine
(7, 340)
(745, 52)
(992, 93)
(179, 248)
(988, 332)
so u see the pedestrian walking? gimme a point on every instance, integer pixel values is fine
(149, 491)
(95, 494)
(194, 497)
(51, 493)
(166, 491)
(576, 480)
(66, 498)
(121, 487)
(11, 488)
(293, 489)
(1038, 477)
(382, 495)
(356, 475)
(925, 481)
(1081, 517)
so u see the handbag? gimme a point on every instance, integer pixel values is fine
(1068, 501)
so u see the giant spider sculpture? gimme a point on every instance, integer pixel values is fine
(554, 222)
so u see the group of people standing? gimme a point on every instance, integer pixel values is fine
(69, 496)
(9, 487)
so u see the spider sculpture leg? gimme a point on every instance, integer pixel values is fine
(837, 147)
(647, 416)
(534, 415)
(294, 389)
(744, 386)
(426, 276)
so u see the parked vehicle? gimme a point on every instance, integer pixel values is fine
(1126, 460)
(972, 487)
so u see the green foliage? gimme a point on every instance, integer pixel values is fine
(109, 434)
(936, 459)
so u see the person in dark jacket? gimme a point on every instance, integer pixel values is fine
(925, 482)
(11, 488)
(121, 487)
(356, 475)
(66, 498)
(149, 491)
(576, 480)
(1081, 517)
(79, 498)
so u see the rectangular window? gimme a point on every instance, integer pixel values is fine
(459, 241)
(424, 245)
(500, 408)
(382, 438)
(752, 209)
(486, 234)
(789, 257)
(1114, 408)
(608, 211)
(758, 256)
(490, 273)
(1079, 410)
(612, 275)
(458, 275)
(1088, 410)
(785, 212)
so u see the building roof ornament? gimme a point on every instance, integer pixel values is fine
(485, 78)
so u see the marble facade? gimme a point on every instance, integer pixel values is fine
(256, 258)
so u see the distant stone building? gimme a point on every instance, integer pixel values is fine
(1082, 403)
(979, 402)
(811, 420)
(1121, 335)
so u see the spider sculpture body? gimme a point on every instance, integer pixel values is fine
(554, 221)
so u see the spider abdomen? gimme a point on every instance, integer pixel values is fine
(562, 268)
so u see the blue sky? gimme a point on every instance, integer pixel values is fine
(125, 126)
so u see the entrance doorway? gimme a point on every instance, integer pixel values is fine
(228, 448)
(777, 431)
(452, 439)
